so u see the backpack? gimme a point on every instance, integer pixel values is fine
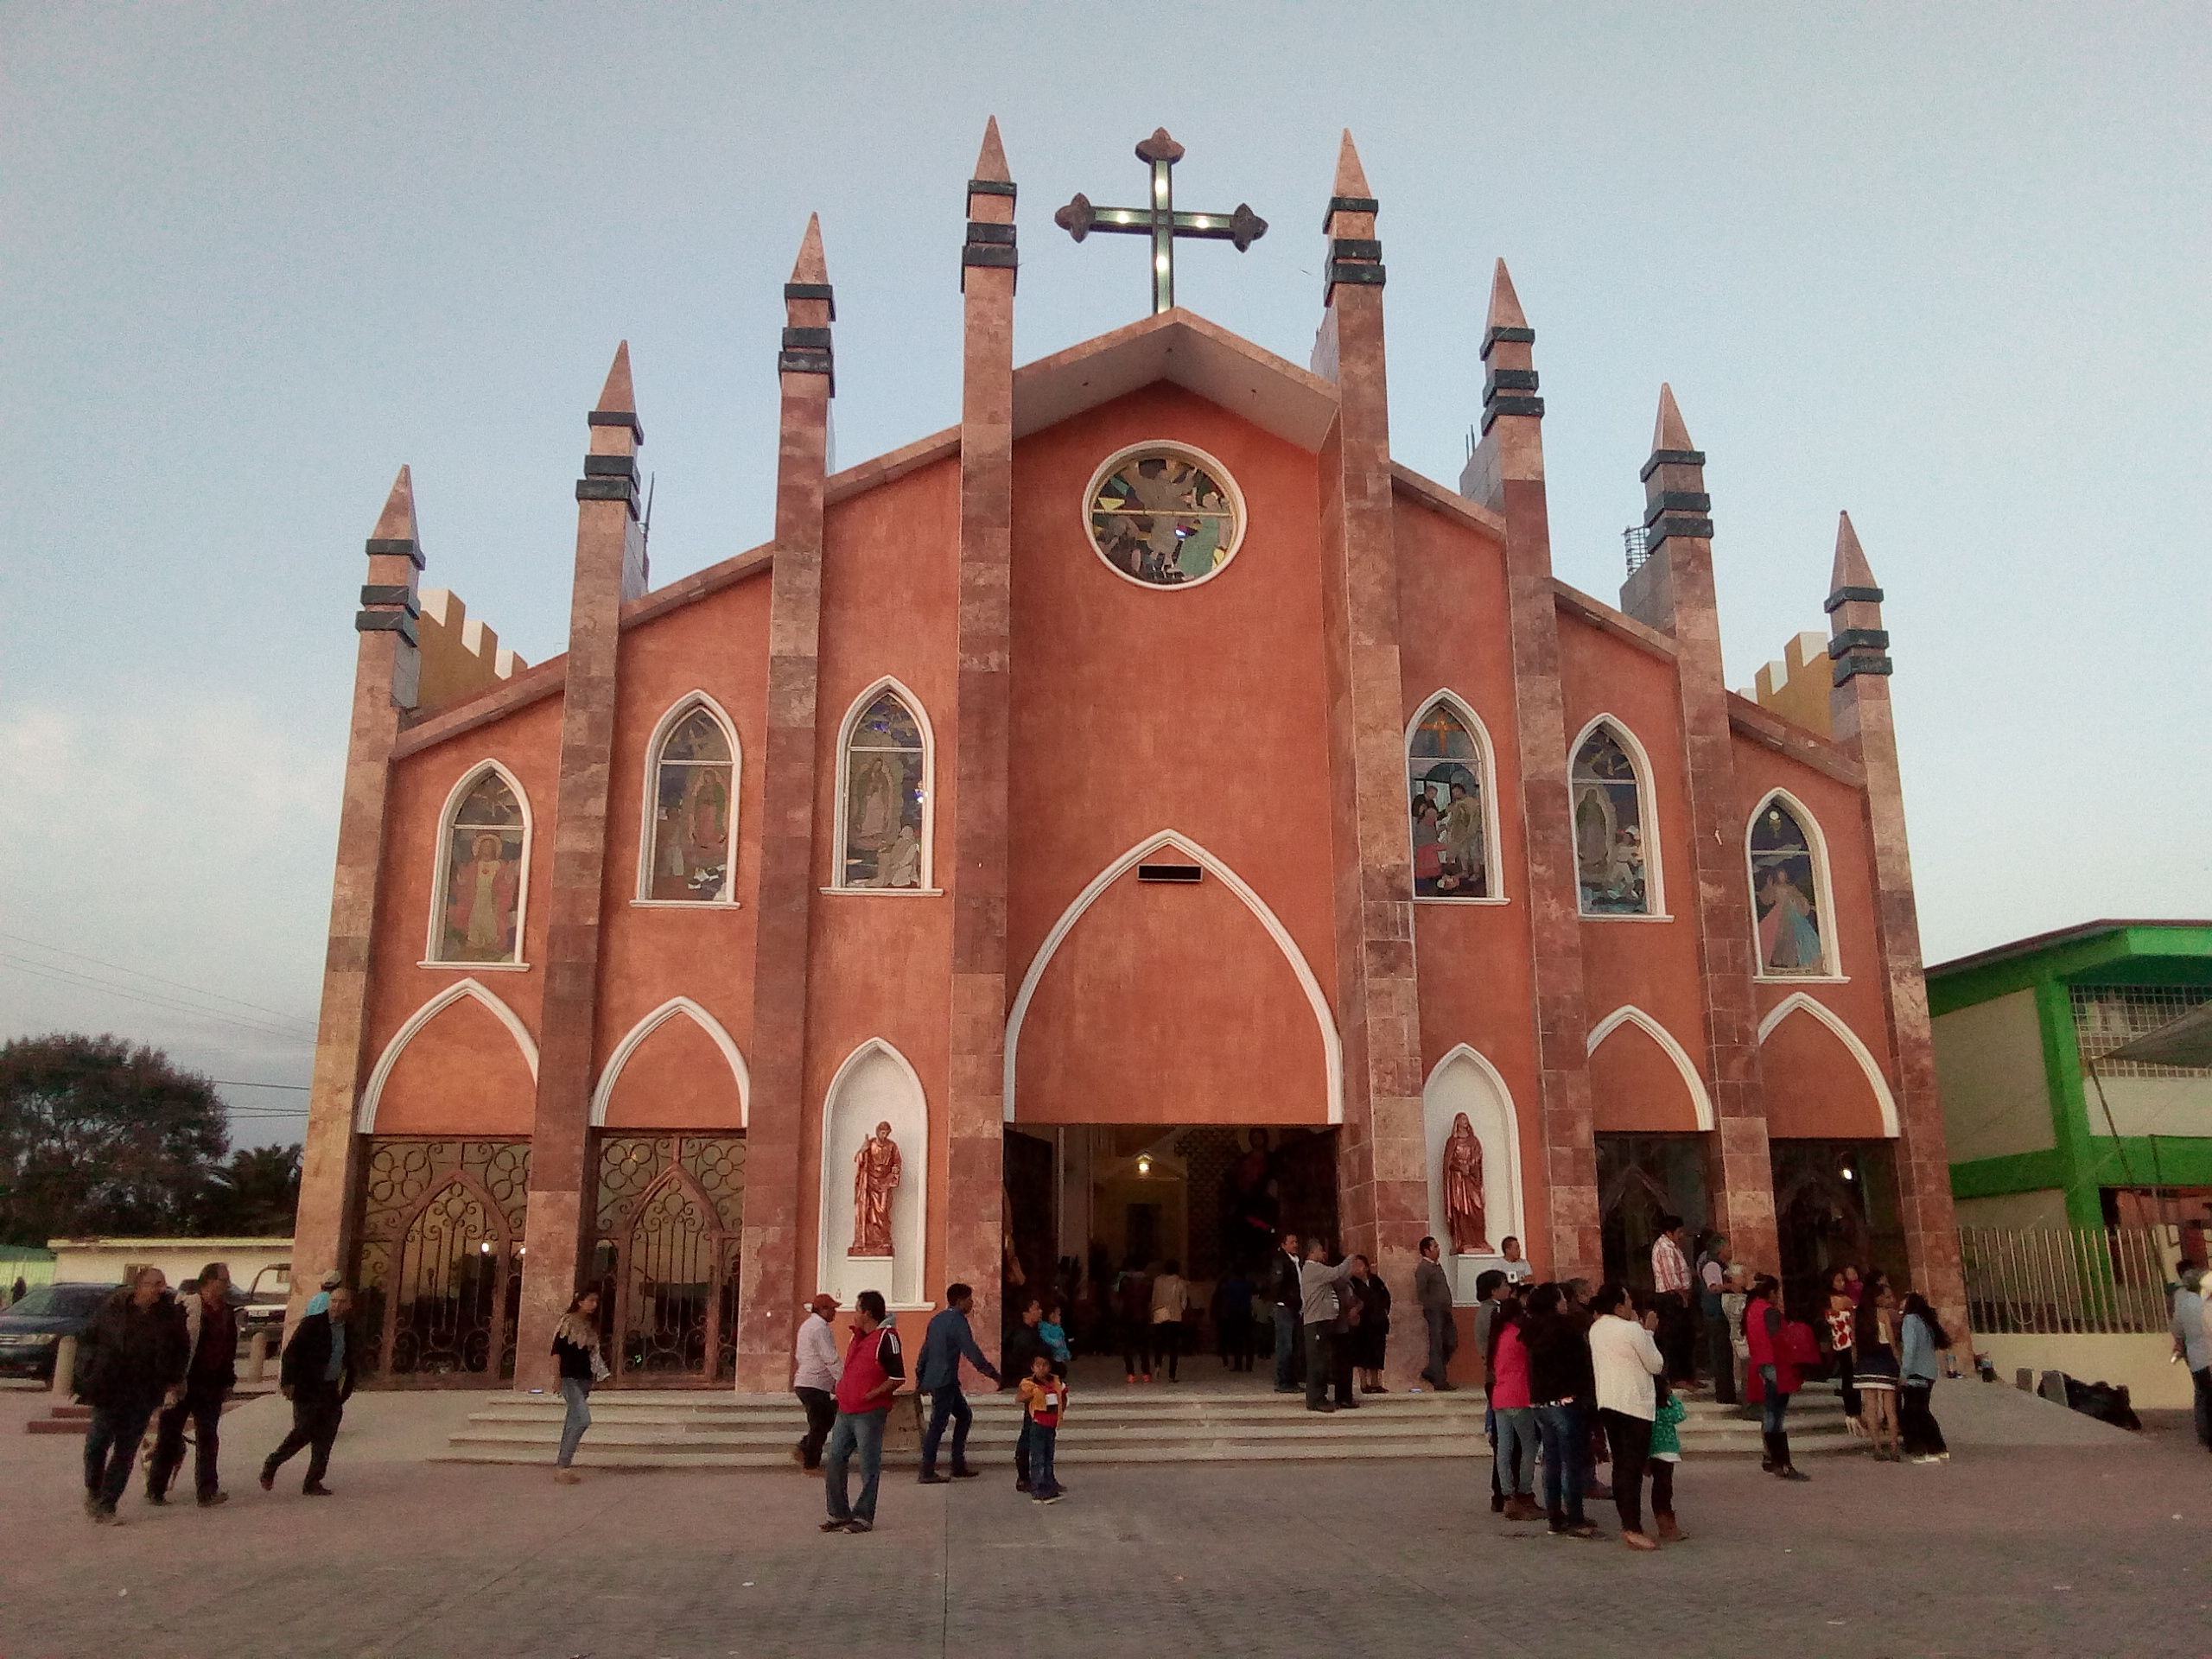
(1799, 1347)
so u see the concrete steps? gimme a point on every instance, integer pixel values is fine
(726, 1431)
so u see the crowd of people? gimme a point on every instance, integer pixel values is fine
(169, 1358)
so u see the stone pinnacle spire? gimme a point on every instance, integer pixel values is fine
(811, 266)
(1850, 568)
(396, 522)
(1505, 310)
(1351, 178)
(1667, 432)
(991, 160)
(617, 398)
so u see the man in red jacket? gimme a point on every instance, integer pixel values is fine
(874, 1368)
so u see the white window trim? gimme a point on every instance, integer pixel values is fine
(1214, 469)
(859, 707)
(441, 869)
(1831, 947)
(1629, 1014)
(675, 1007)
(365, 1116)
(1494, 869)
(1802, 1003)
(1332, 1057)
(649, 809)
(1647, 806)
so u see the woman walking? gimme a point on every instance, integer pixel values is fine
(575, 1344)
(1169, 1293)
(1923, 1337)
(1513, 1419)
(1773, 1379)
(1628, 1363)
(1842, 1310)
(1371, 1335)
(1875, 1365)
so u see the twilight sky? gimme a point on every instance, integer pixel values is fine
(1945, 267)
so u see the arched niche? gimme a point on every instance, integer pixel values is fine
(875, 1085)
(676, 1069)
(1642, 1081)
(472, 1071)
(1822, 1082)
(1463, 1081)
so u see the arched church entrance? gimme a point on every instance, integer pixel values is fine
(439, 1263)
(665, 1256)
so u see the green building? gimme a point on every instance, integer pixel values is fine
(2041, 1130)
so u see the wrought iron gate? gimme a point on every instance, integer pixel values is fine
(439, 1263)
(666, 1257)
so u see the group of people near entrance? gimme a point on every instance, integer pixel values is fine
(169, 1358)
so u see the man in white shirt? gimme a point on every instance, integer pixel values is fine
(2192, 1333)
(814, 1379)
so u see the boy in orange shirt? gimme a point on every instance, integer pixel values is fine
(1045, 1399)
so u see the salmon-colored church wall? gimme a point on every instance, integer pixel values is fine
(648, 953)
(878, 968)
(1636, 1087)
(1815, 1088)
(1137, 709)
(677, 1078)
(462, 1074)
(1170, 1004)
(1475, 986)
(1839, 811)
(527, 743)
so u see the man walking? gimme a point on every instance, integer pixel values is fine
(2193, 1343)
(874, 1367)
(814, 1379)
(1670, 1285)
(1318, 1309)
(318, 1379)
(1289, 1300)
(134, 1361)
(1434, 1292)
(948, 1341)
(211, 1343)
(1712, 1280)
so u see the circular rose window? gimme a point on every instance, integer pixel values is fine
(1164, 515)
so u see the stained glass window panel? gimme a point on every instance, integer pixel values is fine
(1785, 894)
(1608, 829)
(885, 793)
(1163, 519)
(1445, 781)
(484, 875)
(694, 825)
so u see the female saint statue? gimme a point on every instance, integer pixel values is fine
(1463, 1190)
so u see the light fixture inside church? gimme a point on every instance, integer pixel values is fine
(1144, 1164)
(1163, 515)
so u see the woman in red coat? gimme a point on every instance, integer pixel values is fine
(1773, 1379)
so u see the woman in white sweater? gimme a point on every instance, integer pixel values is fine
(1627, 1361)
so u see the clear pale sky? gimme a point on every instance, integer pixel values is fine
(1946, 267)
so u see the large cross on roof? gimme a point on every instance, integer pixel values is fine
(1160, 220)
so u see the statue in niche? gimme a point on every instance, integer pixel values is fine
(1463, 1191)
(876, 1176)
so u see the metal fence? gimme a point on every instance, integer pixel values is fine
(2070, 1281)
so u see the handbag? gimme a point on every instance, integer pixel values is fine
(1799, 1348)
(600, 1372)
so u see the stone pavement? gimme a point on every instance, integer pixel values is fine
(2047, 1534)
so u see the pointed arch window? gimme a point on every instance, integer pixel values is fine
(883, 800)
(1792, 912)
(690, 852)
(1615, 855)
(1454, 826)
(483, 872)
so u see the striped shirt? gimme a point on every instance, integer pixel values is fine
(1668, 1270)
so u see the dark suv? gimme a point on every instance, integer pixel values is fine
(33, 1328)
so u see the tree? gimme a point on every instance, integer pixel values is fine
(100, 1135)
(255, 1196)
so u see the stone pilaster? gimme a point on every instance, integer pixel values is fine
(1861, 718)
(1382, 1185)
(1672, 591)
(767, 1285)
(1507, 472)
(610, 567)
(387, 669)
(976, 878)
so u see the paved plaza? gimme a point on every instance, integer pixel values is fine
(2045, 1535)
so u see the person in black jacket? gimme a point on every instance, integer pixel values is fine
(1563, 1387)
(1286, 1292)
(133, 1361)
(208, 1328)
(318, 1379)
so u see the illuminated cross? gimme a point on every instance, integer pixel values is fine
(1160, 221)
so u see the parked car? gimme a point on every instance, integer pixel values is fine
(260, 1312)
(33, 1328)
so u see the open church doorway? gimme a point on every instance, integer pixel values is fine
(1641, 1178)
(1835, 1205)
(1098, 1214)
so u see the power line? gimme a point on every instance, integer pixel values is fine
(140, 973)
(76, 981)
(232, 1082)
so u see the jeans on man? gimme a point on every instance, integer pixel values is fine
(202, 1406)
(1517, 1451)
(1044, 1482)
(947, 1404)
(575, 1394)
(110, 1447)
(821, 1412)
(2202, 1378)
(1563, 1433)
(1319, 1351)
(1286, 1350)
(315, 1424)
(1722, 1352)
(860, 1431)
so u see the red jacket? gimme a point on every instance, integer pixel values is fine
(872, 1359)
(1766, 1349)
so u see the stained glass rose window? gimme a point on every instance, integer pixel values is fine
(1165, 517)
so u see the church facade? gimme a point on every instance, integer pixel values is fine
(1140, 816)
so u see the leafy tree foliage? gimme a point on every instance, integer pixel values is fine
(254, 1196)
(101, 1135)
